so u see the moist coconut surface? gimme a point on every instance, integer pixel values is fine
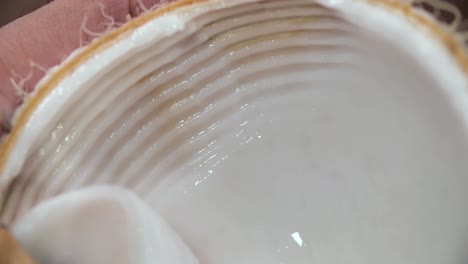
(263, 132)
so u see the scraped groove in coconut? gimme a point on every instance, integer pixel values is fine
(88, 103)
(262, 120)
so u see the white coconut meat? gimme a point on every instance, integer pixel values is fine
(99, 225)
(276, 131)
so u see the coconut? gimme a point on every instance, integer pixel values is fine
(265, 131)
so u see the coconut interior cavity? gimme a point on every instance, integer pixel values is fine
(267, 132)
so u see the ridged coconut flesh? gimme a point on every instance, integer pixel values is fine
(276, 131)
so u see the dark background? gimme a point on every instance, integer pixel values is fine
(12, 9)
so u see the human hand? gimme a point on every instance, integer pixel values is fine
(33, 43)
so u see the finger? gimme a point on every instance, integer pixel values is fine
(48, 35)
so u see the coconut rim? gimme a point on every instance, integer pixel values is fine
(435, 31)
